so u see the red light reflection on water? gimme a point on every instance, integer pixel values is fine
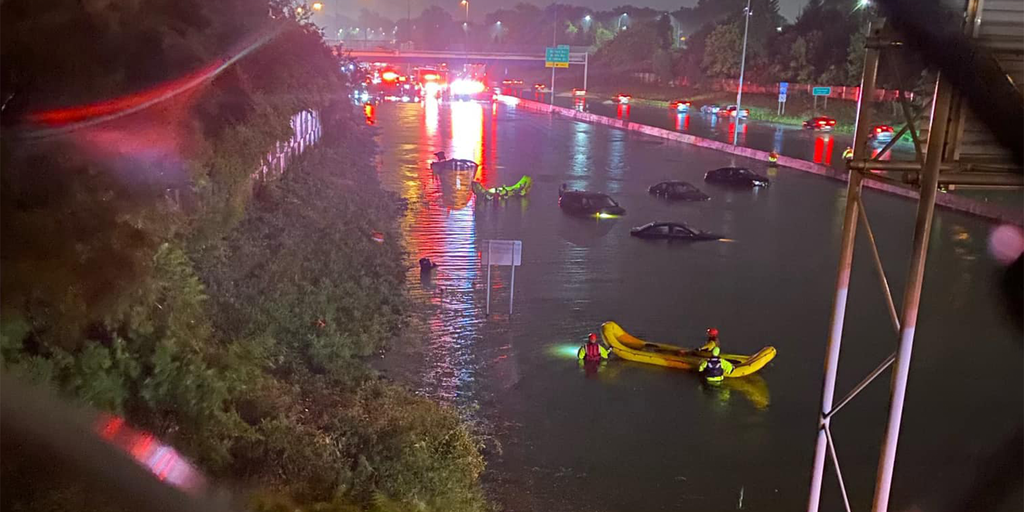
(823, 146)
(743, 132)
(622, 111)
(682, 122)
(441, 224)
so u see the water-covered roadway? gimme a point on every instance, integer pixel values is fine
(814, 146)
(634, 437)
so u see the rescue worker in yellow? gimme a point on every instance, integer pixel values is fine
(714, 368)
(712, 339)
(592, 351)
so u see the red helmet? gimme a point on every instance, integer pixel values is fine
(712, 332)
(592, 338)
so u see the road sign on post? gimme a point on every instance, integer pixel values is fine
(821, 91)
(503, 252)
(783, 89)
(556, 57)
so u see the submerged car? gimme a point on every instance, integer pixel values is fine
(680, 105)
(623, 99)
(671, 231)
(881, 134)
(580, 202)
(680, 190)
(733, 111)
(823, 123)
(736, 177)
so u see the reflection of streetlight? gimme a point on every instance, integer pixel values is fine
(465, 3)
(318, 6)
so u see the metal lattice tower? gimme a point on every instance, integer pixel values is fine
(952, 148)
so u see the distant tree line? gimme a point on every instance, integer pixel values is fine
(825, 44)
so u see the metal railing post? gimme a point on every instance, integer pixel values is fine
(835, 338)
(912, 294)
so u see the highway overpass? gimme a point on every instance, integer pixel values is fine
(454, 57)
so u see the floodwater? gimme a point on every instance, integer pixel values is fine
(632, 437)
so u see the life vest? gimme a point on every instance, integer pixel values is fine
(593, 352)
(714, 369)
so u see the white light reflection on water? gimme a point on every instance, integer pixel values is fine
(617, 164)
(440, 224)
(582, 161)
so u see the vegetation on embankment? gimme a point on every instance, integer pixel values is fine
(234, 325)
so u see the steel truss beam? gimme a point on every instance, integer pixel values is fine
(904, 322)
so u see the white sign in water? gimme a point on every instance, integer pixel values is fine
(502, 252)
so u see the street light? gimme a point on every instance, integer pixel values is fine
(743, 62)
(586, 18)
(318, 6)
(465, 3)
(619, 26)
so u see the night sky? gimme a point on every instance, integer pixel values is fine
(478, 8)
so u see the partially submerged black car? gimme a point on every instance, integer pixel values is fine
(444, 163)
(672, 231)
(580, 202)
(736, 177)
(679, 190)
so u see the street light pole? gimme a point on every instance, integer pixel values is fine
(743, 62)
(554, 44)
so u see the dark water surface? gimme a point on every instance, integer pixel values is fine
(633, 437)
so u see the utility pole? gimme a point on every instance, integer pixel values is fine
(554, 44)
(743, 62)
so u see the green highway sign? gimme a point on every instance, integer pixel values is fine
(821, 91)
(556, 57)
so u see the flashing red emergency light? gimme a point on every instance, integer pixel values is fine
(389, 76)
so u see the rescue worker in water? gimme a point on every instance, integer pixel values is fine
(714, 368)
(712, 339)
(592, 351)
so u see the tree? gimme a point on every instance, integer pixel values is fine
(722, 51)
(855, 56)
(434, 28)
(662, 66)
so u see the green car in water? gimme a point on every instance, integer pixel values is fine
(520, 189)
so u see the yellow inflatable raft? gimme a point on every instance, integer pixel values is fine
(631, 348)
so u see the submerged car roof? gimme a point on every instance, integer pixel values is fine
(584, 193)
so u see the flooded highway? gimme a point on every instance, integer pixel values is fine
(633, 437)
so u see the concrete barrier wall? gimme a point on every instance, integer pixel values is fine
(951, 201)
